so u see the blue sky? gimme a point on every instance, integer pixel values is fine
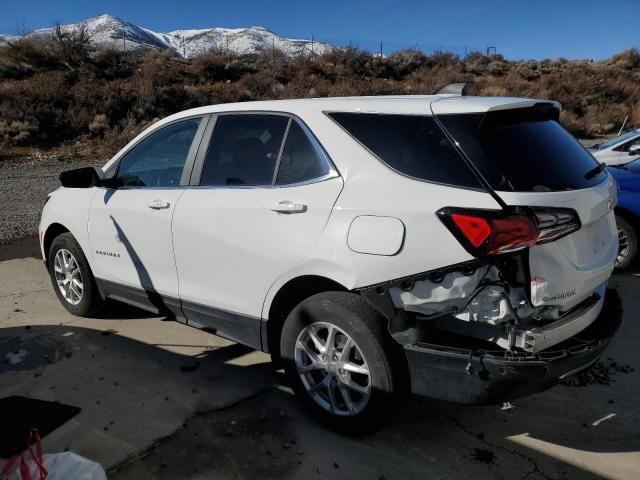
(517, 28)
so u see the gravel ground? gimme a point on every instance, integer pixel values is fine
(23, 190)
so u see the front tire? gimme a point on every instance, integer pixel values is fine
(71, 276)
(628, 243)
(341, 360)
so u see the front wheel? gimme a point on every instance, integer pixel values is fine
(627, 243)
(71, 276)
(341, 360)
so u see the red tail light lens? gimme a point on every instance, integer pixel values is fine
(512, 232)
(475, 229)
(490, 232)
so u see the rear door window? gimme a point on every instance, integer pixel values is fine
(244, 150)
(413, 145)
(523, 150)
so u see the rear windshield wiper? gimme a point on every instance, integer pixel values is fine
(595, 171)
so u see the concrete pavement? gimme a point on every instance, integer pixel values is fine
(161, 400)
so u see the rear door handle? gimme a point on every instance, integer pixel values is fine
(159, 204)
(288, 207)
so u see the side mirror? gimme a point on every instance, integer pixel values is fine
(634, 149)
(86, 177)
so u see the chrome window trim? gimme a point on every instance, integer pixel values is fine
(206, 139)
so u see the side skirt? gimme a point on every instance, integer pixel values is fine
(233, 326)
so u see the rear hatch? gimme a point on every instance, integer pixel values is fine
(528, 160)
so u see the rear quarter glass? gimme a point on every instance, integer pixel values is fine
(523, 150)
(413, 145)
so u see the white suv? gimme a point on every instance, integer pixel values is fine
(457, 247)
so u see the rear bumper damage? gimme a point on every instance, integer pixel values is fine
(455, 365)
(481, 377)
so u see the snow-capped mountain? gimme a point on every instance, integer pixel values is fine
(109, 31)
(5, 39)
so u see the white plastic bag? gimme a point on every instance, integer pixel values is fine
(63, 466)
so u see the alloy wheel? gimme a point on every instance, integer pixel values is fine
(333, 369)
(68, 276)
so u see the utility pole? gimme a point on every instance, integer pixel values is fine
(184, 48)
(489, 50)
(380, 48)
(124, 40)
(312, 46)
(273, 47)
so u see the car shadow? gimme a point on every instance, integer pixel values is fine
(94, 371)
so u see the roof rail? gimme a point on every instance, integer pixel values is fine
(453, 89)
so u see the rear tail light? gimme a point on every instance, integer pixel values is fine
(485, 232)
(554, 224)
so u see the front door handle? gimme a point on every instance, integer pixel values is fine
(288, 207)
(159, 205)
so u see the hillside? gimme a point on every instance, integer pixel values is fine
(58, 93)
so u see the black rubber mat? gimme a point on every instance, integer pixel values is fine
(19, 415)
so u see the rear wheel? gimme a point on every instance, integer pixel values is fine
(71, 276)
(341, 361)
(627, 243)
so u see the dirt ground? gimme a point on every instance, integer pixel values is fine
(162, 401)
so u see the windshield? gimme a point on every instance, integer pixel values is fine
(523, 150)
(616, 140)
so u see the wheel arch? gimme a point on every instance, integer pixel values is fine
(53, 230)
(287, 297)
(629, 216)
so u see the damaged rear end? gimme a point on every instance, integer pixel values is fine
(533, 306)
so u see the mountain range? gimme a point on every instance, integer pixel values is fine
(107, 31)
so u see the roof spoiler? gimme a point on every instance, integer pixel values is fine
(459, 89)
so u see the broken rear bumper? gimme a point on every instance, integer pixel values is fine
(482, 377)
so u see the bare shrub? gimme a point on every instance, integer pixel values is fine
(72, 45)
(628, 59)
(99, 124)
(17, 132)
(110, 64)
(25, 56)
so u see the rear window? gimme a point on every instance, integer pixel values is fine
(523, 150)
(413, 145)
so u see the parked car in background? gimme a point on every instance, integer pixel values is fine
(457, 247)
(619, 150)
(627, 211)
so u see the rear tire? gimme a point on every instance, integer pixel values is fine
(72, 278)
(341, 361)
(628, 243)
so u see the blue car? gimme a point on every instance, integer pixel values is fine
(627, 211)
